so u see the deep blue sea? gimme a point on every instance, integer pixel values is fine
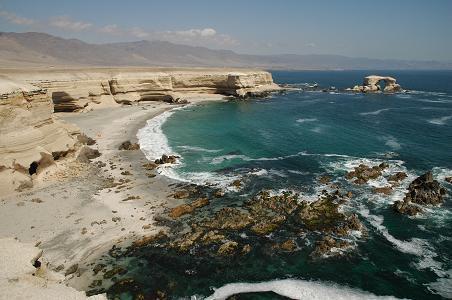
(286, 142)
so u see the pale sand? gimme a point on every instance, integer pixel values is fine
(70, 213)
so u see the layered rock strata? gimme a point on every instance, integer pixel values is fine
(82, 90)
(30, 135)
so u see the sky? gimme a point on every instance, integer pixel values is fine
(394, 29)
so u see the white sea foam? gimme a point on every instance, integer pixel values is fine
(391, 142)
(442, 286)
(298, 172)
(317, 129)
(414, 246)
(306, 120)
(153, 141)
(374, 113)
(440, 121)
(199, 149)
(295, 289)
(219, 159)
(260, 172)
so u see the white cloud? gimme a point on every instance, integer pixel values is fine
(67, 23)
(15, 19)
(139, 33)
(197, 36)
(206, 32)
(110, 29)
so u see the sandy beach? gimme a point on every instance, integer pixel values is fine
(82, 209)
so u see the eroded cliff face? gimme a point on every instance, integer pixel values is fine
(30, 134)
(78, 91)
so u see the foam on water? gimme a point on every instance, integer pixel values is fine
(374, 113)
(440, 121)
(391, 142)
(295, 289)
(152, 140)
(442, 286)
(415, 246)
(307, 120)
(198, 149)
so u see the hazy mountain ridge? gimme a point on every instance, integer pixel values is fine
(40, 49)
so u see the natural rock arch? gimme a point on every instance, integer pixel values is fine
(371, 84)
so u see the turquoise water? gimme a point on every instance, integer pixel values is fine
(285, 142)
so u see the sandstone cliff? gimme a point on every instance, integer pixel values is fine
(30, 134)
(77, 90)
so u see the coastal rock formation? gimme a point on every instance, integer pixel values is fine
(371, 84)
(31, 137)
(77, 90)
(424, 190)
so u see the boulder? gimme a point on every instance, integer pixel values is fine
(227, 248)
(86, 154)
(425, 190)
(166, 159)
(127, 145)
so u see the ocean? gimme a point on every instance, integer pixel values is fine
(286, 142)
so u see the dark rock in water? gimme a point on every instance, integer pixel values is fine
(267, 226)
(406, 208)
(229, 218)
(218, 193)
(114, 271)
(227, 248)
(397, 177)
(322, 214)
(237, 183)
(325, 179)
(326, 246)
(166, 159)
(425, 190)
(288, 245)
(448, 179)
(364, 173)
(387, 190)
(127, 145)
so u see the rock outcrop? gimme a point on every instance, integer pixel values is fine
(31, 137)
(424, 190)
(371, 84)
(77, 90)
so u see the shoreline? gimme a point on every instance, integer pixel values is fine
(92, 206)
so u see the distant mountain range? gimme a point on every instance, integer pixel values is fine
(40, 49)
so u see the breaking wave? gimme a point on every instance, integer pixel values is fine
(295, 289)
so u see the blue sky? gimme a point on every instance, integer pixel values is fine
(401, 29)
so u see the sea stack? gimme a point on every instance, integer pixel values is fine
(371, 84)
